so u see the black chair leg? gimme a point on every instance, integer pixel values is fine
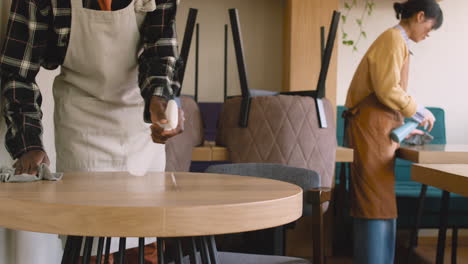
(413, 243)
(443, 227)
(454, 244)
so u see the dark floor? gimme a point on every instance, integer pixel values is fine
(425, 253)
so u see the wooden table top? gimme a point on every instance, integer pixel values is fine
(344, 154)
(435, 154)
(449, 177)
(217, 153)
(154, 205)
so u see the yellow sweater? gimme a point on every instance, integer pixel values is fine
(384, 71)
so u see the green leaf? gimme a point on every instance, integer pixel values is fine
(346, 5)
(364, 34)
(345, 35)
(344, 19)
(359, 22)
(355, 49)
(348, 42)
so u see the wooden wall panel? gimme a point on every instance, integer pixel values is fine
(303, 19)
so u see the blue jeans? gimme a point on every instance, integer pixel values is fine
(374, 241)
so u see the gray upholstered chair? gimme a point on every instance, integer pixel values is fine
(308, 180)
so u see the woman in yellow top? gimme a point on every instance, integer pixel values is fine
(377, 101)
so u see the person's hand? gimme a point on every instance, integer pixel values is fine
(29, 162)
(415, 132)
(157, 111)
(428, 121)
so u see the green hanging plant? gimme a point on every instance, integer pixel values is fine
(353, 41)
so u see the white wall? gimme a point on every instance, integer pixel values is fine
(4, 8)
(262, 29)
(438, 75)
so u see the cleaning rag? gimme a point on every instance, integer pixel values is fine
(419, 139)
(44, 173)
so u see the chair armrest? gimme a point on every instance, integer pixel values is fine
(319, 195)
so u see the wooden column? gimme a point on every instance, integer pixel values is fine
(303, 19)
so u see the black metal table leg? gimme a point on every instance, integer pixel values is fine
(279, 240)
(67, 250)
(413, 243)
(205, 258)
(442, 227)
(160, 248)
(141, 250)
(87, 250)
(179, 256)
(122, 244)
(193, 251)
(108, 245)
(76, 250)
(99, 250)
(454, 244)
(213, 250)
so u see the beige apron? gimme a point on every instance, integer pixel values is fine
(98, 107)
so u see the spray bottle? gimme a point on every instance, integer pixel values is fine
(399, 134)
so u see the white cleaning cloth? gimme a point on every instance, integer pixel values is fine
(8, 175)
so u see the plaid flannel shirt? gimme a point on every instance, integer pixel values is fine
(37, 35)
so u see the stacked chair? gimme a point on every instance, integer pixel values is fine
(290, 128)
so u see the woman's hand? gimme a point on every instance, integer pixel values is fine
(29, 162)
(415, 132)
(428, 121)
(157, 110)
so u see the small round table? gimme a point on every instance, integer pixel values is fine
(117, 204)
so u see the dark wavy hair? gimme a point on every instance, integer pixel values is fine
(411, 7)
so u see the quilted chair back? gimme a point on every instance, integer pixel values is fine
(179, 148)
(282, 129)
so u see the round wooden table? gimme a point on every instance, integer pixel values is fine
(117, 204)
